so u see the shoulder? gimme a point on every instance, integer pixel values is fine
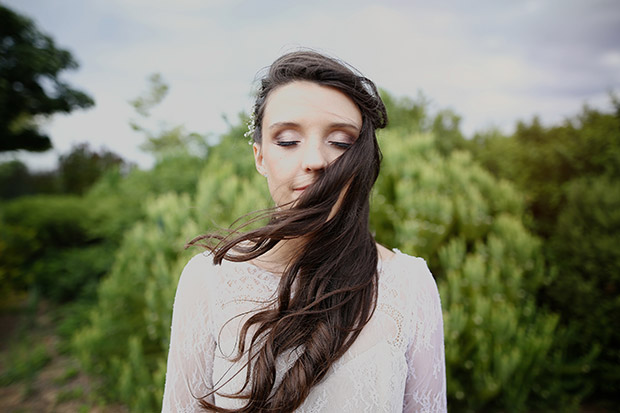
(198, 264)
(385, 254)
(197, 273)
(416, 286)
(420, 300)
(411, 272)
(192, 309)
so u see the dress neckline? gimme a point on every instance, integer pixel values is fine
(381, 264)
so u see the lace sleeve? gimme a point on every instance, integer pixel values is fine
(192, 346)
(425, 390)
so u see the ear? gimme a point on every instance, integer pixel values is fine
(258, 158)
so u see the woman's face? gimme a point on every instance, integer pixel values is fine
(305, 127)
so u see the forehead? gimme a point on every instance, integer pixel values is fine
(301, 101)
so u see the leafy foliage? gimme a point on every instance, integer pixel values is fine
(23, 362)
(570, 175)
(433, 199)
(30, 65)
(82, 167)
(468, 226)
(585, 248)
(541, 160)
(425, 203)
(77, 171)
(129, 328)
(37, 235)
(131, 323)
(413, 116)
(16, 180)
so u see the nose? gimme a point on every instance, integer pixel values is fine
(313, 158)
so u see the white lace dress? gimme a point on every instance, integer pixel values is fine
(396, 364)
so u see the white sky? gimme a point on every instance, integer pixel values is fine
(492, 61)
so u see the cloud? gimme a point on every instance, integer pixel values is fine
(493, 61)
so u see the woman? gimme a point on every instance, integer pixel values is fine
(308, 313)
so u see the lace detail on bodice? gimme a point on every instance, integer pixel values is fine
(396, 364)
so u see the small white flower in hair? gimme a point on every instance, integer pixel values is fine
(251, 128)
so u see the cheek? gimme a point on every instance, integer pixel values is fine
(280, 166)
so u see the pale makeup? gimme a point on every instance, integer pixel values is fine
(305, 127)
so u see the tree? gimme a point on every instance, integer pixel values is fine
(569, 174)
(414, 116)
(82, 167)
(17, 180)
(30, 64)
(165, 142)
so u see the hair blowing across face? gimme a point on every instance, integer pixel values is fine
(327, 292)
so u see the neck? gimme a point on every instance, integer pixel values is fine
(276, 259)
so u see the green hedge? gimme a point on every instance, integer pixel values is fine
(445, 209)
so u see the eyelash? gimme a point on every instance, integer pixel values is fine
(287, 143)
(339, 145)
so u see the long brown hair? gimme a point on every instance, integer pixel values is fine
(334, 275)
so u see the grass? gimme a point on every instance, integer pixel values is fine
(25, 355)
(66, 395)
(36, 365)
(23, 361)
(69, 374)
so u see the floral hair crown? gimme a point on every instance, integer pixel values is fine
(251, 128)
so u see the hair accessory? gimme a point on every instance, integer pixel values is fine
(251, 128)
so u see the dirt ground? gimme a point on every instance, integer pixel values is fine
(58, 386)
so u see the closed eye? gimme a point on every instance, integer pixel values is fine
(287, 143)
(341, 145)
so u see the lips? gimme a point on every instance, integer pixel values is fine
(301, 188)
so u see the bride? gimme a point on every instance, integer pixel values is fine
(308, 313)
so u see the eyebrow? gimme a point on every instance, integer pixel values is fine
(333, 125)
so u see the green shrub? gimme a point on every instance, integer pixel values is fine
(58, 220)
(31, 227)
(63, 275)
(569, 174)
(468, 226)
(23, 362)
(587, 288)
(58, 244)
(127, 338)
(447, 210)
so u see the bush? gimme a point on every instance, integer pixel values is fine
(570, 174)
(33, 227)
(446, 209)
(126, 340)
(66, 274)
(587, 288)
(60, 245)
(468, 227)
(129, 327)
(16, 180)
(23, 363)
